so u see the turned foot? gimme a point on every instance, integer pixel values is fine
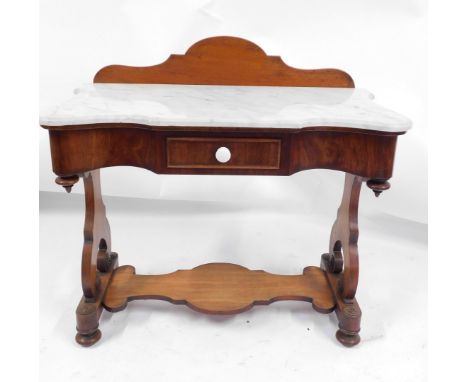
(347, 339)
(378, 186)
(87, 340)
(67, 182)
(347, 312)
(89, 311)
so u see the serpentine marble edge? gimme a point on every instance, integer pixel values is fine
(225, 106)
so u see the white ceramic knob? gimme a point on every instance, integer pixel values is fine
(223, 155)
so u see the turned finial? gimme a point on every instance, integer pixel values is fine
(378, 186)
(67, 182)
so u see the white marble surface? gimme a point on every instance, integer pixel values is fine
(225, 106)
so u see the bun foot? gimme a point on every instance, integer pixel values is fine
(87, 340)
(346, 339)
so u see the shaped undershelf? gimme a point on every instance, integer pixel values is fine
(219, 288)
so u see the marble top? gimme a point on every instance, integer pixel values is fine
(225, 106)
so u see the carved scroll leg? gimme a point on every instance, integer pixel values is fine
(342, 263)
(97, 264)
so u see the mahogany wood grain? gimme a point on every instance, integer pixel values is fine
(364, 155)
(219, 288)
(344, 235)
(97, 238)
(224, 60)
(341, 263)
(369, 155)
(246, 153)
(348, 311)
(89, 311)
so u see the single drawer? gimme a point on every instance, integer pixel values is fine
(235, 153)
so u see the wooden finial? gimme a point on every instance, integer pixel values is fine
(67, 182)
(378, 186)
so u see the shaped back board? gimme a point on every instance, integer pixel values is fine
(224, 61)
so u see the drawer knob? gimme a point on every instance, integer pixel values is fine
(223, 155)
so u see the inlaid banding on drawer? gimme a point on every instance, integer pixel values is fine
(244, 153)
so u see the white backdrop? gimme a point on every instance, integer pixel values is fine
(381, 43)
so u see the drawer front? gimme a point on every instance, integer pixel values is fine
(226, 153)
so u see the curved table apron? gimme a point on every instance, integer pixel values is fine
(208, 112)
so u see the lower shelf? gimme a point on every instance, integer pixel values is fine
(219, 288)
